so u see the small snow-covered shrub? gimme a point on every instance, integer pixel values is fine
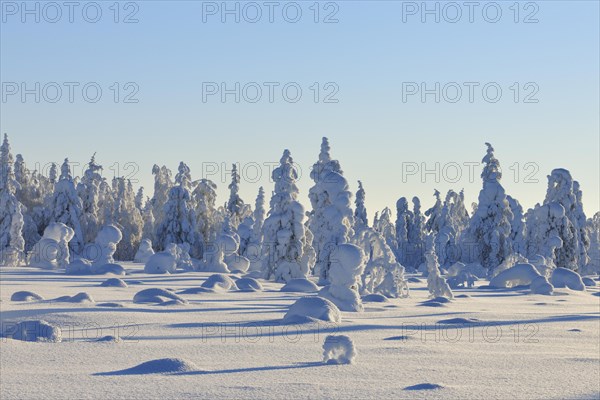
(219, 282)
(309, 309)
(563, 277)
(161, 263)
(348, 263)
(338, 349)
(300, 285)
(519, 275)
(540, 285)
(144, 252)
(82, 297)
(437, 285)
(33, 331)
(52, 251)
(113, 282)
(375, 298)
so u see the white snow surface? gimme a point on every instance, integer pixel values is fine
(226, 345)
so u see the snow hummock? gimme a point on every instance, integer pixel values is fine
(338, 349)
(32, 331)
(540, 285)
(81, 297)
(309, 309)
(300, 285)
(25, 295)
(113, 282)
(519, 275)
(375, 298)
(219, 282)
(563, 277)
(160, 366)
(249, 285)
(158, 296)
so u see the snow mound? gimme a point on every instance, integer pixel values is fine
(161, 263)
(236, 262)
(432, 304)
(588, 282)
(457, 321)
(114, 305)
(81, 297)
(249, 285)
(158, 296)
(85, 267)
(160, 366)
(108, 338)
(308, 309)
(219, 282)
(113, 282)
(300, 285)
(338, 349)
(109, 268)
(424, 386)
(375, 298)
(414, 280)
(79, 267)
(540, 285)
(25, 296)
(563, 277)
(519, 275)
(32, 331)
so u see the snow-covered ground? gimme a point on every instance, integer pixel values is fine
(486, 343)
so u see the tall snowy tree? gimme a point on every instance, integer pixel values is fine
(331, 219)
(12, 244)
(288, 255)
(488, 235)
(88, 190)
(30, 194)
(416, 235)
(452, 221)
(404, 219)
(162, 186)
(66, 207)
(360, 212)
(235, 205)
(517, 227)
(128, 219)
(205, 198)
(383, 224)
(179, 223)
(433, 214)
(254, 247)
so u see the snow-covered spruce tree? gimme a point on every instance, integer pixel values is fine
(205, 197)
(106, 201)
(382, 274)
(593, 266)
(148, 219)
(140, 199)
(563, 191)
(66, 207)
(360, 212)
(404, 220)
(288, 255)
(254, 249)
(452, 221)
(383, 224)
(179, 223)
(12, 243)
(433, 214)
(162, 186)
(30, 194)
(517, 227)
(88, 190)
(244, 231)
(436, 284)
(416, 236)
(235, 205)
(487, 239)
(331, 219)
(128, 219)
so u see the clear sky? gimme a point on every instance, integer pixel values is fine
(373, 61)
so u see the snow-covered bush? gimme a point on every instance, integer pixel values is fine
(347, 265)
(104, 247)
(338, 349)
(52, 251)
(144, 252)
(519, 275)
(161, 263)
(540, 285)
(219, 282)
(301, 285)
(436, 284)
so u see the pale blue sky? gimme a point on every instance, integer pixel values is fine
(369, 53)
